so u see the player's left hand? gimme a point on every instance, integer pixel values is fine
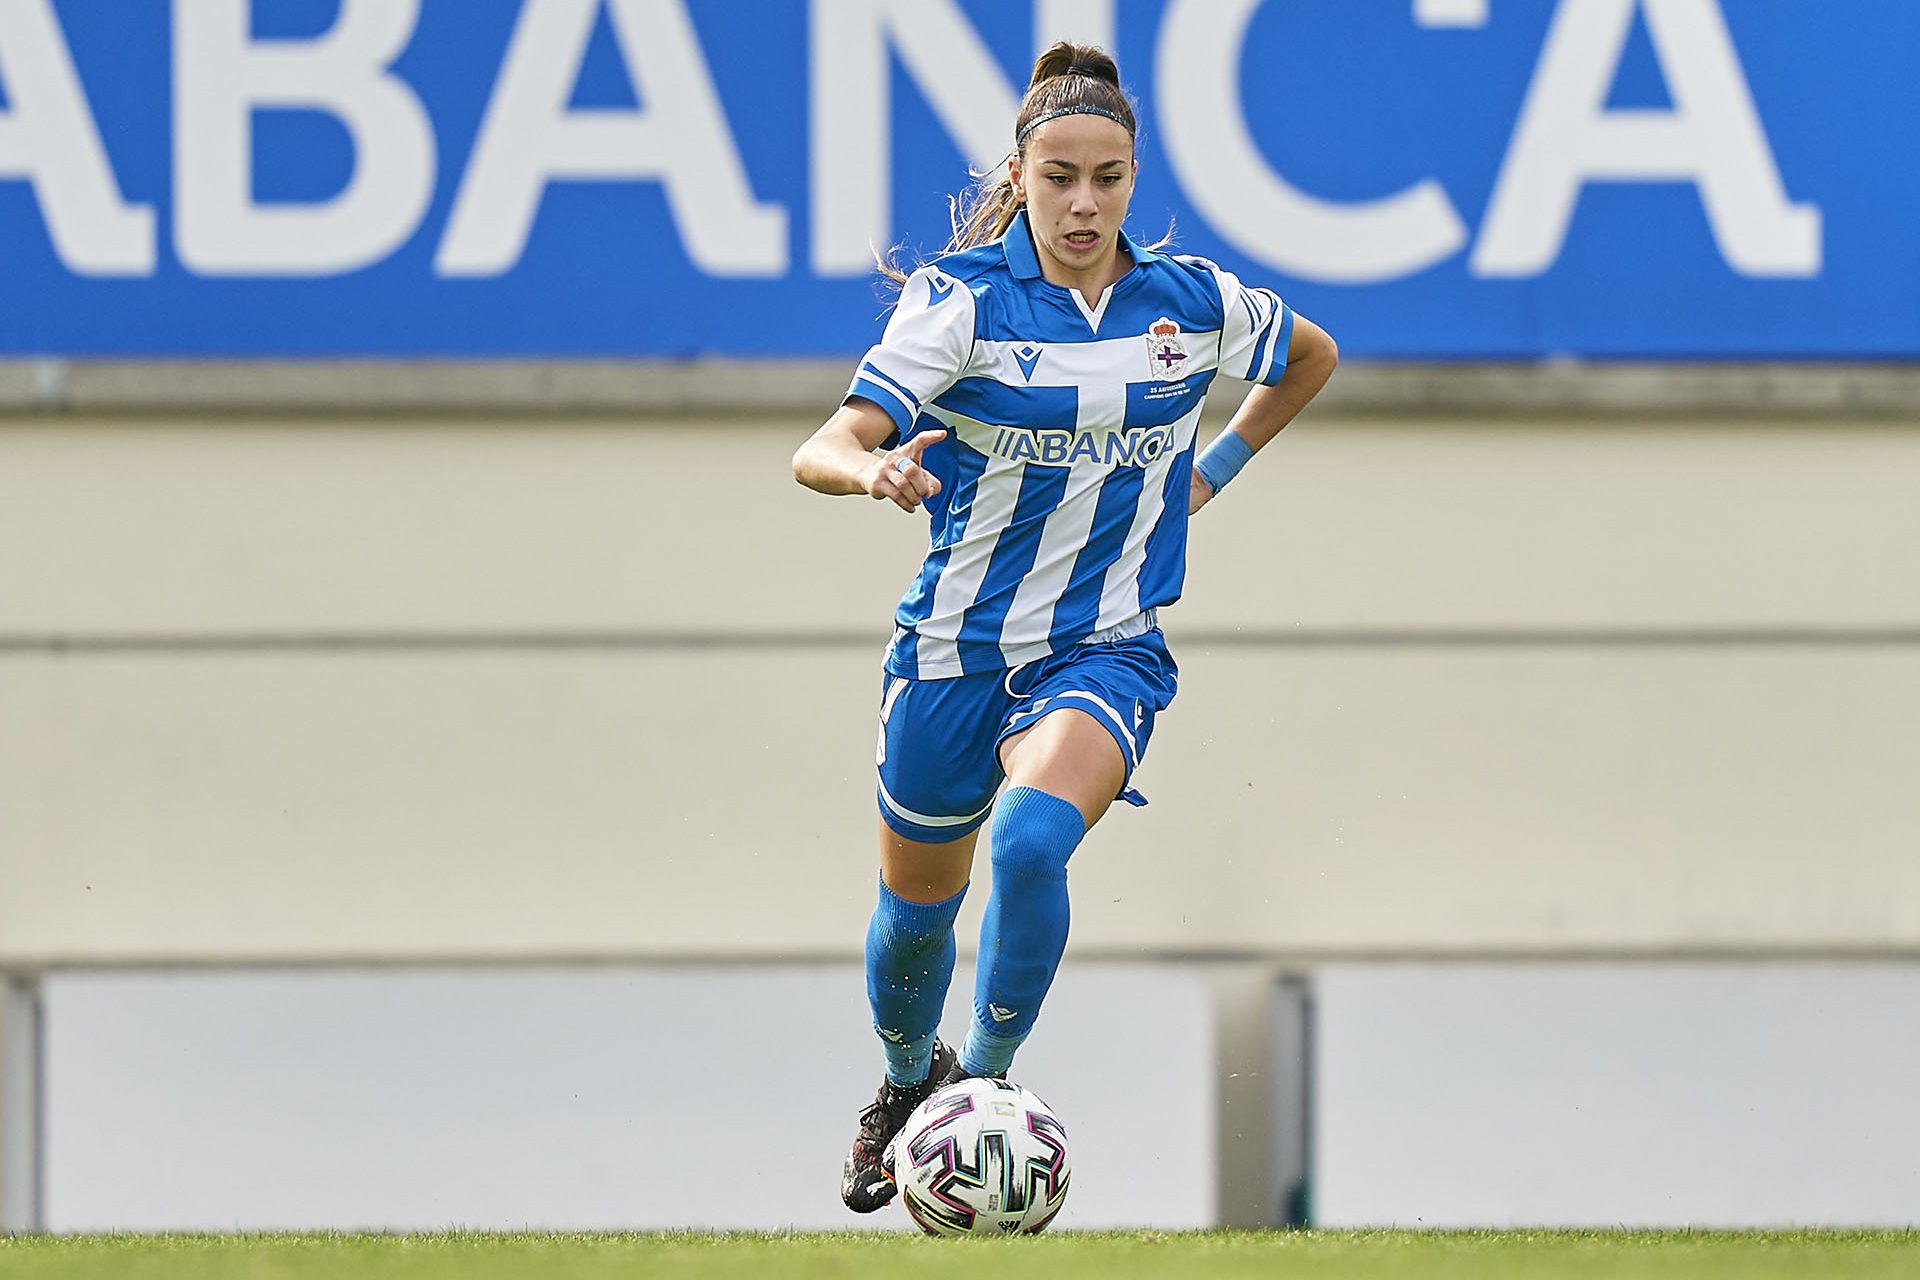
(1198, 494)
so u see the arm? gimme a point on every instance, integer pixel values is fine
(1311, 357)
(839, 458)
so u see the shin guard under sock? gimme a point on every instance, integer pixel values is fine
(909, 967)
(1024, 932)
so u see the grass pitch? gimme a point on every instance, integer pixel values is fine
(1217, 1255)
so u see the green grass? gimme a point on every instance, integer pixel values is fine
(1218, 1255)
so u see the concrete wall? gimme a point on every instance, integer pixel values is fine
(506, 689)
(1602, 1093)
(20, 1097)
(582, 1097)
(1608, 1095)
(308, 688)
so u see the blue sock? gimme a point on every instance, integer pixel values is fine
(909, 967)
(1024, 933)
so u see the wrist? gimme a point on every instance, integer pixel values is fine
(1220, 461)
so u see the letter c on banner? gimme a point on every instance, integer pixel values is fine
(1220, 168)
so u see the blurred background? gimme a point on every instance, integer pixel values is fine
(435, 731)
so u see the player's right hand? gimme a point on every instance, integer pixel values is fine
(898, 475)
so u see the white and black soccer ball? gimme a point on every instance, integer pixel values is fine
(982, 1158)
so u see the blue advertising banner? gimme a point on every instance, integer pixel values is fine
(660, 178)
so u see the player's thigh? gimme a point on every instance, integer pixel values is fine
(1083, 721)
(1069, 754)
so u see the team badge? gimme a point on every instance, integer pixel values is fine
(1166, 354)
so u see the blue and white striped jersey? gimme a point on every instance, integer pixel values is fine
(1062, 510)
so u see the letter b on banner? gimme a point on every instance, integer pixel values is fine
(222, 76)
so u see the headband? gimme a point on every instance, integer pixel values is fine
(1085, 109)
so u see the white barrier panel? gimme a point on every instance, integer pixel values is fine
(703, 1097)
(1600, 1095)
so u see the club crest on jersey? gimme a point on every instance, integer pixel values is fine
(1166, 354)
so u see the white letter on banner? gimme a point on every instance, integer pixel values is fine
(1081, 21)
(1712, 137)
(530, 138)
(47, 136)
(853, 114)
(222, 76)
(1458, 14)
(1255, 209)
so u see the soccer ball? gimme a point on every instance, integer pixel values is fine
(982, 1158)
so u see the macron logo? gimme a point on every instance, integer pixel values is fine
(938, 287)
(1026, 357)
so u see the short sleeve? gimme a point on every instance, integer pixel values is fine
(925, 349)
(1256, 329)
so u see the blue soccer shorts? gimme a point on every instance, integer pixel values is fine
(939, 751)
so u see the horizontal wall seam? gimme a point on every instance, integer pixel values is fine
(1283, 959)
(673, 388)
(707, 641)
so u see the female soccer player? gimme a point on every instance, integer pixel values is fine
(1037, 390)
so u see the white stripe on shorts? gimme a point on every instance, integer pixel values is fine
(924, 820)
(1048, 704)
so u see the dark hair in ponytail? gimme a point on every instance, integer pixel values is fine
(1068, 79)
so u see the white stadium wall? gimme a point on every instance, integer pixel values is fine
(434, 689)
(1598, 1095)
(574, 1098)
(550, 694)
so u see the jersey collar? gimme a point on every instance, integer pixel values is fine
(1017, 243)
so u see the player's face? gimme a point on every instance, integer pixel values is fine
(1077, 177)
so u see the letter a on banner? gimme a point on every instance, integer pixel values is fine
(47, 136)
(530, 138)
(222, 76)
(1712, 138)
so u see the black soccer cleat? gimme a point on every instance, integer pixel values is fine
(956, 1073)
(866, 1183)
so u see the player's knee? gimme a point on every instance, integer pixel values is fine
(1034, 834)
(897, 922)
